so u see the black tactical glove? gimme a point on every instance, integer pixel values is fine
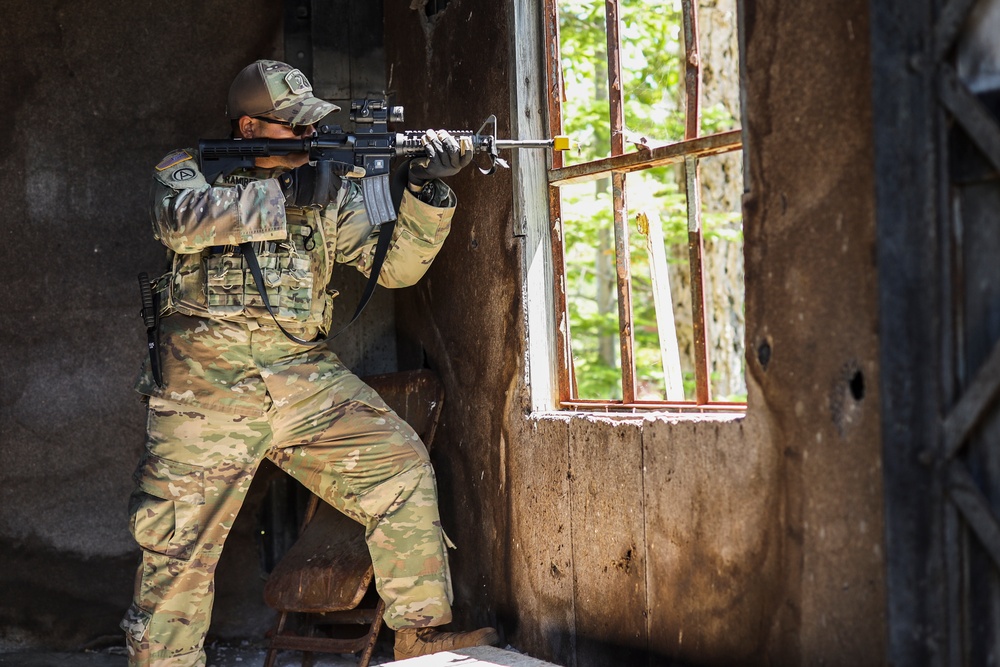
(445, 157)
(312, 184)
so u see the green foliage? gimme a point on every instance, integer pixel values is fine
(717, 118)
(652, 73)
(651, 65)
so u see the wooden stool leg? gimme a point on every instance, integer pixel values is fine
(272, 652)
(366, 655)
(308, 658)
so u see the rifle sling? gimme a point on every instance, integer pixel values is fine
(396, 188)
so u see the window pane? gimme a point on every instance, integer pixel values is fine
(652, 88)
(652, 63)
(591, 289)
(722, 231)
(661, 285)
(584, 55)
(719, 50)
(662, 306)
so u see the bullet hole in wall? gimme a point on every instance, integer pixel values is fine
(847, 388)
(857, 385)
(764, 354)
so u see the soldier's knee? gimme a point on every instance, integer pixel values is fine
(413, 487)
(412, 451)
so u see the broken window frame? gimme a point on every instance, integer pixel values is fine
(687, 152)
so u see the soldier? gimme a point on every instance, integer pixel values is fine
(235, 389)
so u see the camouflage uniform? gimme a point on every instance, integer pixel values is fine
(236, 391)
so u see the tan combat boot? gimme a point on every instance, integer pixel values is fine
(411, 642)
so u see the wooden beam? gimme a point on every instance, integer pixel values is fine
(971, 114)
(975, 508)
(950, 22)
(970, 407)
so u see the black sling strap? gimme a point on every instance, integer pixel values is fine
(150, 314)
(396, 188)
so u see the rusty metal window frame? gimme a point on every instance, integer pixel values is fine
(687, 152)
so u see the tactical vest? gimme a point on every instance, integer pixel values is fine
(217, 283)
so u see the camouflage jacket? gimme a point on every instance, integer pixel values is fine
(201, 225)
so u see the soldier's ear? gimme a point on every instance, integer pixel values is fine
(247, 127)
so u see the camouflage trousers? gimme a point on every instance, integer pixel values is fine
(348, 447)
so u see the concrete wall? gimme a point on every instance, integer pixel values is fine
(95, 93)
(604, 540)
(587, 540)
(812, 300)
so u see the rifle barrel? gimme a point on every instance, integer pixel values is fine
(523, 143)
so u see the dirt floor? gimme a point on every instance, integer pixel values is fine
(219, 655)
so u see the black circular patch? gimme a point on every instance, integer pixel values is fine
(184, 174)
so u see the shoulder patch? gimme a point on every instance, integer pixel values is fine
(173, 159)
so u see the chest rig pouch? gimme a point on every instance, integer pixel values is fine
(289, 274)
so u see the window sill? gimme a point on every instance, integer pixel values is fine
(640, 407)
(657, 412)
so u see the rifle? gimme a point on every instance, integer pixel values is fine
(366, 154)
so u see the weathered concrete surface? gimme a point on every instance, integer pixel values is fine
(483, 656)
(812, 320)
(741, 541)
(448, 72)
(95, 93)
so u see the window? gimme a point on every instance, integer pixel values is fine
(647, 239)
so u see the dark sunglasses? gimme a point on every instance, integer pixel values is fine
(297, 130)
